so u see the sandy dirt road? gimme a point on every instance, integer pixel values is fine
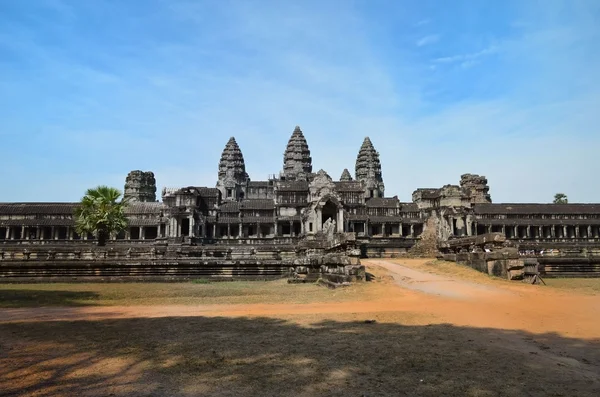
(436, 298)
(434, 334)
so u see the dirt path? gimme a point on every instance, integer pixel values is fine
(434, 284)
(434, 334)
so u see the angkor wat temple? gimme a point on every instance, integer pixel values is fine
(299, 202)
(262, 223)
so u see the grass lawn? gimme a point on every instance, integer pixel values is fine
(187, 293)
(584, 285)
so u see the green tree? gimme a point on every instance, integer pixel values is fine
(101, 213)
(560, 198)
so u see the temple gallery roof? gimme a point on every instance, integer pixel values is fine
(522, 208)
(37, 208)
(392, 202)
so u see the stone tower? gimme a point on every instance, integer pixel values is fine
(232, 172)
(368, 170)
(476, 187)
(346, 177)
(297, 163)
(140, 186)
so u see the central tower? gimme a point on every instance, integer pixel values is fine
(232, 172)
(368, 170)
(297, 163)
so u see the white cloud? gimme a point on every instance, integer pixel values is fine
(427, 40)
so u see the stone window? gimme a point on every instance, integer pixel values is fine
(310, 227)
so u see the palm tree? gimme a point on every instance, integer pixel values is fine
(560, 198)
(100, 213)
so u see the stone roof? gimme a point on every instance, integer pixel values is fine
(257, 204)
(232, 206)
(143, 222)
(367, 162)
(349, 186)
(537, 222)
(345, 177)
(392, 202)
(296, 159)
(523, 208)
(232, 162)
(409, 207)
(37, 222)
(292, 186)
(144, 208)
(208, 191)
(228, 219)
(37, 208)
(258, 184)
(258, 219)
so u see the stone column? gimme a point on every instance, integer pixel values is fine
(319, 220)
(412, 231)
(528, 231)
(228, 231)
(258, 234)
(489, 228)
(589, 232)
(275, 231)
(565, 235)
(576, 231)
(142, 230)
(241, 230)
(516, 232)
(540, 232)
(37, 233)
(291, 228)
(340, 220)
(214, 230)
(192, 225)
(8, 228)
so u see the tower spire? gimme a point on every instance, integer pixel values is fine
(297, 163)
(368, 169)
(232, 171)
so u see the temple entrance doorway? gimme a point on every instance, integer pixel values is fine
(329, 212)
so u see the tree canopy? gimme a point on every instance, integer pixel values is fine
(101, 213)
(560, 198)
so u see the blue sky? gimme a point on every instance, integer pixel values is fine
(90, 90)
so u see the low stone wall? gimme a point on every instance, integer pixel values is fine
(502, 263)
(163, 262)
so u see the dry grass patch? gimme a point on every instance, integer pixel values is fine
(189, 293)
(582, 285)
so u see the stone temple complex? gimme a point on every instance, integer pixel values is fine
(300, 204)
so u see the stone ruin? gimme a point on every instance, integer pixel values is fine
(140, 186)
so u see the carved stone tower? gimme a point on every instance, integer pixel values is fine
(346, 177)
(476, 187)
(297, 163)
(140, 186)
(368, 170)
(232, 172)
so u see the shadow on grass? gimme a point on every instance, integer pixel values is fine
(10, 298)
(272, 357)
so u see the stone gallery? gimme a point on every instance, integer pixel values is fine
(296, 206)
